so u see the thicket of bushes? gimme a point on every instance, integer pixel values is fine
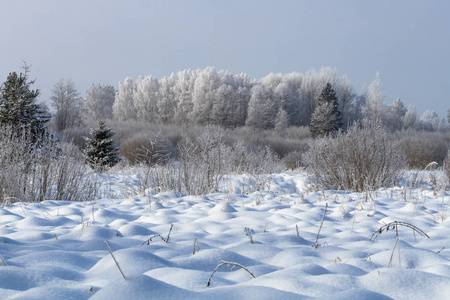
(34, 172)
(423, 147)
(194, 160)
(364, 158)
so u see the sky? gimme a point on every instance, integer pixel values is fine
(105, 41)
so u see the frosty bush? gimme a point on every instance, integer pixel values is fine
(49, 172)
(203, 161)
(293, 160)
(364, 158)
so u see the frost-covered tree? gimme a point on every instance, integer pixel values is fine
(255, 118)
(166, 102)
(68, 104)
(146, 99)
(410, 118)
(326, 118)
(291, 90)
(374, 108)
(429, 120)
(448, 116)
(100, 151)
(99, 101)
(281, 121)
(394, 115)
(206, 84)
(18, 106)
(222, 109)
(183, 90)
(123, 107)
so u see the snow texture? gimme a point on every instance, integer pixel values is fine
(56, 249)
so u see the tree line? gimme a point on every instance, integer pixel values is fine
(210, 97)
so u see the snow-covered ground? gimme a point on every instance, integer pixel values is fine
(56, 249)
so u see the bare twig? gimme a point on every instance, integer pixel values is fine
(156, 235)
(112, 255)
(233, 265)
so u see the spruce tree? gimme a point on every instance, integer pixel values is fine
(326, 118)
(18, 106)
(100, 152)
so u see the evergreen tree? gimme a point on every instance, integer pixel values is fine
(18, 106)
(326, 118)
(100, 152)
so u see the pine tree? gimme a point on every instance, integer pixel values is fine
(100, 152)
(326, 118)
(18, 106)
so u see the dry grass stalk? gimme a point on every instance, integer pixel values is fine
(3, 260)
(397, 244)
(317, 245)
(233, 265)
(440, 250)
(112, 255)
(198, 246)
(156, 235)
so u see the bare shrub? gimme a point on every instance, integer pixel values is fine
(364, 158)
(422, 148)
(204, 160)
(295, 139)
(148, 149)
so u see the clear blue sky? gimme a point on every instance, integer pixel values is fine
(104, 41)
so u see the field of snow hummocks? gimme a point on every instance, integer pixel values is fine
(56, 249)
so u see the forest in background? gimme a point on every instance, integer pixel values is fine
(274, 111)
(189, 130)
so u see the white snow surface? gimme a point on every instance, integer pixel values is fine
(56, 249)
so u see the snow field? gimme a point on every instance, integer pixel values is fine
(56, 249)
